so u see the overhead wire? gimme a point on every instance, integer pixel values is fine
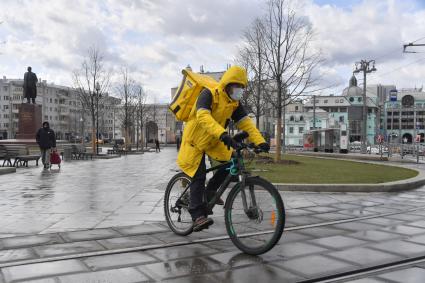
(373, 79)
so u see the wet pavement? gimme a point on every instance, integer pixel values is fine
(85, 194)
(105, 193)
(102, 221)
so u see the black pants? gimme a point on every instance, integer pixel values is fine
(45, 156)
(198, 205)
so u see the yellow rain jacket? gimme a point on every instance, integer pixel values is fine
(202, 131)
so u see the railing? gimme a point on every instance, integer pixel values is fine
(414, 150)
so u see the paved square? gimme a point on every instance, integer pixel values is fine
(409, 275)
(121, 207)
(364, 256)
(315, 265)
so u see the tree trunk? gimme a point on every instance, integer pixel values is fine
(278, 135)
(279, 121)
(142, 136)
(283, 128)
(93, 138)
(137, 139)
(258, 100)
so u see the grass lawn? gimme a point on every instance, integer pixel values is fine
(310, 170)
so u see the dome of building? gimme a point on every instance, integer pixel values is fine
(352, 89)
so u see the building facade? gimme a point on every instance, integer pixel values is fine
(60, 107)
(332, 111)
(404, 115)
(161, 124)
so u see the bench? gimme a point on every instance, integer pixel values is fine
(112, 151)
(3, 155)
(23, 160)
(19, 153)
(79, 152)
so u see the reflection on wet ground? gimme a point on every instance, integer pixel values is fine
(128, 191)
(85, 194)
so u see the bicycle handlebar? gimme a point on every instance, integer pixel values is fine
(240, 146)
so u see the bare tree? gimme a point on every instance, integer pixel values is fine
(152, 120)
(290, 59)
(243, 61)
(92, 73)
(251, 56)
(127, 91)
(141, 113)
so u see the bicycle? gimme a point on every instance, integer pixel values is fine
(254, 212)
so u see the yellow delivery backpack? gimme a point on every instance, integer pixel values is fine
(187, 93)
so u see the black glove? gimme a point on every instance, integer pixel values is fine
(228, 140)
(265, 147)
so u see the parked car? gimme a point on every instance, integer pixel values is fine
(375, 149)
(372, 149)
(75, 139)
(355, 146)
(119, 141)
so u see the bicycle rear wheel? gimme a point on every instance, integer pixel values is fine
(257, 229)
(176, 206)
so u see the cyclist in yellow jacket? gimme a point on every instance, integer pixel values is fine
(205, 133)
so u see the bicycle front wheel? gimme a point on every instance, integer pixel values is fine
(256, 226)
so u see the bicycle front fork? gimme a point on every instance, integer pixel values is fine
(250, 210)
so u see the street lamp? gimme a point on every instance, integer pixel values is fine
(97, 117)
(365, 67)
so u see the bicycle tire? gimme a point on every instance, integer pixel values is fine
(279, 220)
(167, 210)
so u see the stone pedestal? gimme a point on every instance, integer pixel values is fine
(29, 121)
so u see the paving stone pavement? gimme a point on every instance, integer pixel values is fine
(105, 205)
(301, 254)
(120, 192)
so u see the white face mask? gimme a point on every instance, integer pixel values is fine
(237, 93)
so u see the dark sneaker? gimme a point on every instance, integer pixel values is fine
(202, 223)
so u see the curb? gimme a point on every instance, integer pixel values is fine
(7, 170)
(401, 185)
(365, 157)
(110, 156)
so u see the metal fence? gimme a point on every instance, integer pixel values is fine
(396, 149)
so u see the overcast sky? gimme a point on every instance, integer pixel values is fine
(157, 38)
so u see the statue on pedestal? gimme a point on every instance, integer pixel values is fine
(30, 86)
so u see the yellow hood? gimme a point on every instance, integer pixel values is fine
(234, 74)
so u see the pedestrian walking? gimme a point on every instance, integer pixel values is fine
(157, 149)
(46, 140)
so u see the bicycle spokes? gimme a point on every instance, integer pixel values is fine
(176, 203)
(254, 216)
